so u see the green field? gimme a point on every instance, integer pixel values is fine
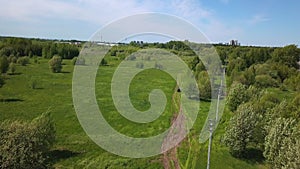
(74, 149)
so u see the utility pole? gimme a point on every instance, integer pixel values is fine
(218, 101)
(211, 124)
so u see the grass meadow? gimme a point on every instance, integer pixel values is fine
(34, 89)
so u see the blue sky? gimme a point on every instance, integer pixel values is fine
(252, 22)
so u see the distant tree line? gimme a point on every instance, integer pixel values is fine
(20, 47)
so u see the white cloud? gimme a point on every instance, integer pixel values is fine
(100, 12)
(258, 18)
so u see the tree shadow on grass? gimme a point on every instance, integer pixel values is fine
(254, 156)
(64, 72)
(60, 154)
(11, 100)
(14, 74)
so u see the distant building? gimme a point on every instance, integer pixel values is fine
(234, 43)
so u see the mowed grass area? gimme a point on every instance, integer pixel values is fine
(73, 148)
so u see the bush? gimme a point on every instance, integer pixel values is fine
(55, 64)
(32, 83)
(12, 68)
(26, 145)
(293, 82)
(12, 59)
(78, 61)
(241, 129)
(1, 81)
(131, 57)
(74, 60)
(139, 65)
(4, 64)
(264, 81)
(158, 66)
(237, 95)
(103, 62)
(23, 61)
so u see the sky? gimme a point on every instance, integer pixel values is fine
(251, 22)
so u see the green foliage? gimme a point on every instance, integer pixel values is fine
(289, 156)
(265, 81)
(103, 62)
(131, 57)
(26, 145)
(78, 61)
(288, 55)
(204, 85)
(1, 81)
(139, 65)
(194, 62)
(33, 83)
(4, 64)
(192, 91)
(158, 66)
(12, 68)
(240, 130)
(293, 82)
(23, 61)
(12, 59)
(55, 64)
(280, 130)
(236, 96)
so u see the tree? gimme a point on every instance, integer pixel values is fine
(289, 156)
(4, 64)
(55, 64)
(12, 68)
(78, 61)
(103, 62)
(1, 81)
(26, 145)
(236, 96)
(23, 61)
(139, 65)
(264, 81)
(280, 130)
(241, 129)
(288, 55)
(204, 85)
(192, 91)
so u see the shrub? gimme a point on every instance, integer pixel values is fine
(139, 65)
(33, 83)
(241, 129)
(237, 95)
(131, 57)
(158, 66)
(4, 64)
(12, 68)
(55, 64)
(264, 81)
(103, 62)
(78, 61)
(26, 145)
(23, 61)
(1, 81)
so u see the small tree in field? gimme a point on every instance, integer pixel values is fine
(4, 64)
(240, 130)
(12, 68)
(278, 138)
(237, 95)
(55, 64)
(1, 81)
(26, 145)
